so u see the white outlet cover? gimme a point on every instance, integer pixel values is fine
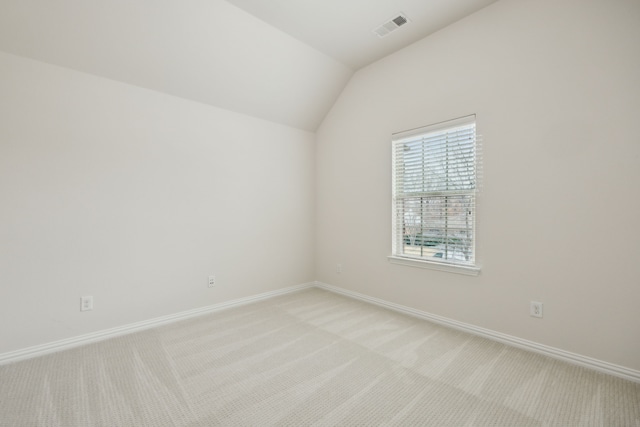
(536, 309)
(86, 303)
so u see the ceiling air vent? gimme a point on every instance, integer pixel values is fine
(391, 25)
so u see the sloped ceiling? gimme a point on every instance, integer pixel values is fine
(343, 28)
(286, 64)
(205, 50)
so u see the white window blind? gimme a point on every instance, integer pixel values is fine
(434, 192)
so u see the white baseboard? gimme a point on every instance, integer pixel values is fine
(556, 353)
(40, 350)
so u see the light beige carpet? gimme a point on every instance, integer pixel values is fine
(308, 358)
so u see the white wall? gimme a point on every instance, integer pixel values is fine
(208, 51)
(135, 197)
(555, 88)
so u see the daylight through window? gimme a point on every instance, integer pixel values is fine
(434, 192)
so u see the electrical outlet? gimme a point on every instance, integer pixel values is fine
(339, 268)
(86, 303)
(535, 309)
(212, 281)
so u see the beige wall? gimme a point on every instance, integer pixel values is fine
(555, 86)
(135, 197)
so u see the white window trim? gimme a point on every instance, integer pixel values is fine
(467, 270)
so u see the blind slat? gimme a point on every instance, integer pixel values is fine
(434, 183)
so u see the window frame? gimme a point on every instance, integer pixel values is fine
(398, 255)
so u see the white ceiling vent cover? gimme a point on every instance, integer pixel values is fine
(391, 25)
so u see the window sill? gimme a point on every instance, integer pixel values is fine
(411, 262)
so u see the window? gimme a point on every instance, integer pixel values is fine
(434, 195)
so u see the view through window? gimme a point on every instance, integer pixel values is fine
(434, 192)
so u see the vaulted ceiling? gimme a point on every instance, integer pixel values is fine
(343, 28)
(281, 60)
